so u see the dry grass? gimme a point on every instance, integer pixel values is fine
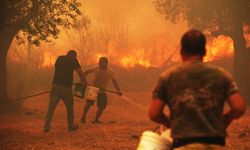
(123, 125)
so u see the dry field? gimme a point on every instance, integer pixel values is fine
(122, 128)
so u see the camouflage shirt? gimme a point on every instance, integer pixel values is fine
(195, 93)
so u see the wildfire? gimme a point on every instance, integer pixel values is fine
(217, 48)
(130, 59)
(153, 55)
(48, 60)
(129, 62)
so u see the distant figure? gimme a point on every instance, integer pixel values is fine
(102, 76)
(195, 93)
(62, 88)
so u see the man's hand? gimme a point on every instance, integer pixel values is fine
(81, 75)
(237, 108)
(116, 85)
(119, 93)
(156, 113)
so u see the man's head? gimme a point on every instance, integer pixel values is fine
(193, 43)
(103, 62)
(72, 54)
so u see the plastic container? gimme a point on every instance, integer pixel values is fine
(79, 90)
(91, 93)
(166, 134)
(153, 141)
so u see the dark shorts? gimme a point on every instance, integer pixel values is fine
(102, 101)
(205, 140)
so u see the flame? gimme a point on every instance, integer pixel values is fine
(150, 56)
(219, 47)
(49, 60)
(130, 59)
(129, 62)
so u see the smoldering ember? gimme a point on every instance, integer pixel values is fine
(124, 74)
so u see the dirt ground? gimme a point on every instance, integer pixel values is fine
(122, 127)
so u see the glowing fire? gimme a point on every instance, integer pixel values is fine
(129, 59)
(217, 48)
(48, 60)
(152, 56)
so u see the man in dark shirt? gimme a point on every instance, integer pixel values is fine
(196, 93)
(62, 88)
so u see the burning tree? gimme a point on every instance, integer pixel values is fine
(223, 17)
(33, 21)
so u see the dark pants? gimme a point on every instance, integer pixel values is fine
(60, 92)
(102, 101)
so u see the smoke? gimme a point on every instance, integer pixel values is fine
(140, 15)
(130, 33)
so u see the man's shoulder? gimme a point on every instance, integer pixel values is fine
(218, 69)
(61, 56)
(95, 68)
(165, 74)
(185, 69)
(110, 70)
(59, 60)
(68, 59)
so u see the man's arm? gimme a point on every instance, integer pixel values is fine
(237, 108)
(116, 85)
(156, 112)
(88, 71)
(81, 75)
(85, 74)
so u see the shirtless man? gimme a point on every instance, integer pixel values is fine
(102, 76)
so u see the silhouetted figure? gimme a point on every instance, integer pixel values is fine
(62, 88)
(195, 93)
(102, 76)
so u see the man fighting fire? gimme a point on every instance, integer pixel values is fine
(196, 93)
(102, 76)
(62, 88)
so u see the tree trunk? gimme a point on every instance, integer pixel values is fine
(241, 62)
(6, 36)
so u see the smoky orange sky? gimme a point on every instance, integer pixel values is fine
(151, 39)
(142, 18)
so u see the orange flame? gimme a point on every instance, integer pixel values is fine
(152, 56)
(48, 61)
(217, 48)
(130, 59)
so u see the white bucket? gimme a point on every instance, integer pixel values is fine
(166, 134)
(153, 141)
(91, 93)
